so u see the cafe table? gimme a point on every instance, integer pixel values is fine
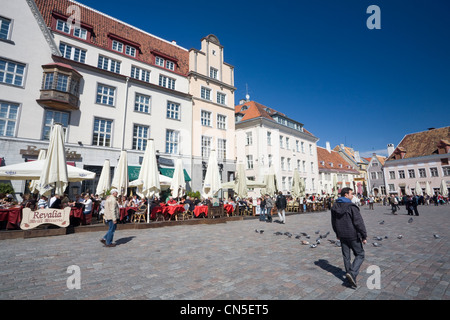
(228, 208)
(201, 209)
(13, 216)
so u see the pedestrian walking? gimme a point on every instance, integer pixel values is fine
(415, 203)
(269, 206)
(409, 205)
(111, 215)
(262, 207)
(350, 229)
(394, 203)
(281, 206)
(371, 201)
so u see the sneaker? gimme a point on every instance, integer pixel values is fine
(103, 241)
(351, 280)
(110, 245)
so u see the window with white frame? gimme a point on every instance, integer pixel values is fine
(249, 138)
(282, 163)
(302, 147)
(221, 98)
(173, 111)
(48, 81)
(283, 183)
(117, 46)
(299, 163)
(297, 146)
(140, 74)
(108, 64)
(170, 65)
(62, 82)
(434, 172)
(422, 173)
(289, 164)
(8, 118)
(401, 174)
(221, 149)
(72, 53)
(105, 94)
(270, 159)
(312, 167)
(5, 25)
(63, 26)
(281, 142)
(80, 33)
(269, 138)
(249, 161)
(304, 165)
(172, 141)
(310, 149)
(142, 103)
(373, 175)
(130, 51)
(51, 117)
(213, 72)
(205, 118)
(411, 173)
(206, 146)
(391, 187)
(159, 61)
(221, 122)
(12, 72)
(391, 174)
(446, 171)
(140, 135)
(205, 93)
(102, 132)
(287, 143)
(166, 82)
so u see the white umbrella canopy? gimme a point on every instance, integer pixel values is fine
(418, 190)
(34, 183)
(104, 182)
(302, 187)
(148, 182)
(428, 190)
(270, 187)
(443, 188)
(212, 183)
(241, 181)
(335, 188)
(120, 181)
(54, 172)
(178, 185)
(32, 171)
(295, 188)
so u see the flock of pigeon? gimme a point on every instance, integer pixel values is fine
(337, 243)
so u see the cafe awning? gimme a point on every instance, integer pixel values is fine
(168, 172)
(133, 173)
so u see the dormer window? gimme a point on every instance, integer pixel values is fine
(164, 61)
(331, 164)
(124, 48)
(79, 32)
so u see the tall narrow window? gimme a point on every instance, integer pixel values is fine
(172, 140)
(173, 111)
(142, 103)
(105, 94)
(51, 117)
(5, 28)
(206, 146)
(205, 93)
(206, 118)
(140, 136)
(8, 118)
(102, 132)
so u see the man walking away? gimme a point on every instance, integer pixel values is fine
(111, 215)
(349, 227)
(269, 206)
(281, 206)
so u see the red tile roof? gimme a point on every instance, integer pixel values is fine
(253, 109)
(422, 144)
(104, 27)
(325, 157)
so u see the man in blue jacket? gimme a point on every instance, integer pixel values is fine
(349, 227)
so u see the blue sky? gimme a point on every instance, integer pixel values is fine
(317, 62)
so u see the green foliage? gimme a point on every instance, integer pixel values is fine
(193, 194)
(6, 188)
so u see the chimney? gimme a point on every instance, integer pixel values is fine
(390, 148)
(328, 146)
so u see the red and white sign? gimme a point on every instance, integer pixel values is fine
(32, 219)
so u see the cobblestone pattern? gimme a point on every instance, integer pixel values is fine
(232, 261)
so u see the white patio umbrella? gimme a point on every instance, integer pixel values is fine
(54, 172)
(35, 183)
(178, 185)
(270, 187)
(302, 188)
(148, 182)
(443, 188)
(32, 171)
(240, 186)
(428, 190)
(212, 183)
(120, 181)
(295, 188)
(104, 182)
(335, 188)
(418, 190)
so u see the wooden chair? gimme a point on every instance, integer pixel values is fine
(139, 215)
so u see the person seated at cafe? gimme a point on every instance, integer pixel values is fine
(171, 201)
(42, 203)
(196, 202)
(87, 204)
(28, 201)
(55, 202)
(190, 203)
(137, 202)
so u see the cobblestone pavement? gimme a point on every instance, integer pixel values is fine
(232, 261)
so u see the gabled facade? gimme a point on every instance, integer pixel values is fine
(357, 163)
(332, 166)
(422, 156)
(211, 84)
(267, 138)
(375, 175)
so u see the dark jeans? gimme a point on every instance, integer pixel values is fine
(356, 247)
(110, 234)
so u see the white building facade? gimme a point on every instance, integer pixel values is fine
(266, 138)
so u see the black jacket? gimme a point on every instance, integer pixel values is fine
(347, 221)
(281, 202)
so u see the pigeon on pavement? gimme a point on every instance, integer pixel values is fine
(410, 220)
(382, 222)
(305, 242)
(399, 236)
(436, 236)
(376, 244)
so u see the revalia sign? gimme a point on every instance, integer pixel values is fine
(32, 219)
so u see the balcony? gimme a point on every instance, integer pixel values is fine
(60, 87)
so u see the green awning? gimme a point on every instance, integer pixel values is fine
(168, 172)
(133, 173)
